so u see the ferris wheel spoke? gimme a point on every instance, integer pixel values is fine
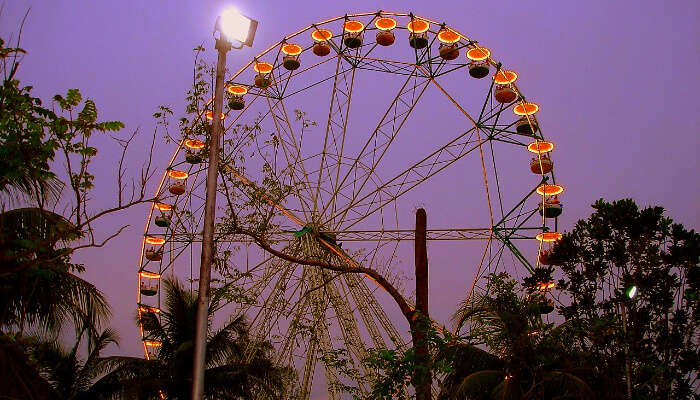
(320, 336)
(393, 67)
(271, 305)
(291, 150)
(336, 125)
(250, 184)
(382, 137)
(369, 306)
(401, 183)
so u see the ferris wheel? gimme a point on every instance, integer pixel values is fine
(338, 181)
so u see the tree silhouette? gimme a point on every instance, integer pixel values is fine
(648, 339)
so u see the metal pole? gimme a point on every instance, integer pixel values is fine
(420, 326)
(200, 338)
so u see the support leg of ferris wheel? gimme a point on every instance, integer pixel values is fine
(323, 281)
(320, 331)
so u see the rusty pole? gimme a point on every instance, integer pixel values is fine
(421, 318)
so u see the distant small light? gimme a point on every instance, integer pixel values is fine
(631, 291)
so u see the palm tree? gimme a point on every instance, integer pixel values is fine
(71, 377)
(528, 358)
(234, 368)
(39, 285)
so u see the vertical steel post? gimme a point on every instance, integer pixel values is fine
(200, 339)
(421, 320)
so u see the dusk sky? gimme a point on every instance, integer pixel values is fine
(617, 82)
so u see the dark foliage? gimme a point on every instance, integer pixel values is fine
(652, 337)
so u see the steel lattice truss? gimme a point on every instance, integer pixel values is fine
(346, 186)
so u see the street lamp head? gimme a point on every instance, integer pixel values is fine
(631, 291)
(235, 26)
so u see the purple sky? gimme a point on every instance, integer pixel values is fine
(617, 83)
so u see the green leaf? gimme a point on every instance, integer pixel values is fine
(89, 112)
(73, 97)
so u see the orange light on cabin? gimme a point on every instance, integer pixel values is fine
(152, 343)
(175, 174)
(549, 190)
(353, 26)
(210, 115)
(478, 54)
(163, 207)
(291, 49)
(549, 236)
(149, 275)
(237, 90)
(385, 23)
(154, 240)
(542, 286)
(194, 144)
(540, 146)
(418, 26)
(147, 309)
(262, 67)
(504, 77)
(526, 108)
(447, 36)
(321, 35)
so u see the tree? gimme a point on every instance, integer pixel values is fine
(49, 293)
(646, 343)
(46, 179)
(46, 157)
(71, 377)
(527, 358)
(235, 368)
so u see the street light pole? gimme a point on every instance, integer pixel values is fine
(200, 339)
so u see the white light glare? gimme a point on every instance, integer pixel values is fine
(234, 25)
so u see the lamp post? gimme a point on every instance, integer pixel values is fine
(232, 27)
